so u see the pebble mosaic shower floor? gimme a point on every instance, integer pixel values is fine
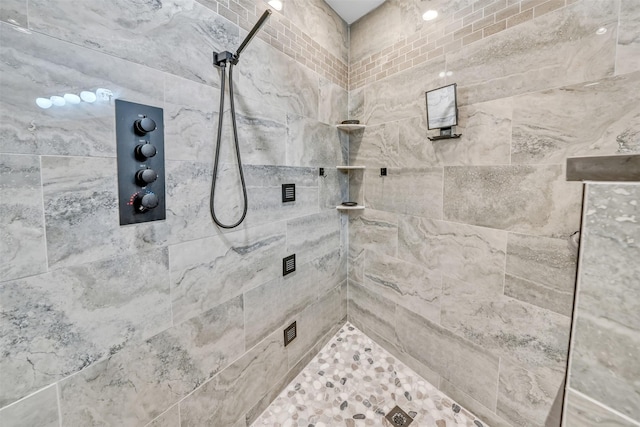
(353, 382)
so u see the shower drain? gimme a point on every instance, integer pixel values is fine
(397, 417)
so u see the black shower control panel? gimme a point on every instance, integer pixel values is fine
(141, 171)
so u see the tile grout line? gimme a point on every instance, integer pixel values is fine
(59, 404)
(603, 406)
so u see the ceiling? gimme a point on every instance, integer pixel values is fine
(352, 10)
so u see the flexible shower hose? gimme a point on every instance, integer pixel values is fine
(218, 143)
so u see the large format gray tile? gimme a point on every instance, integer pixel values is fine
(38, 410)
(461, 251)
(541, 271)
(414, 149)
(176, 36)
(551, 125)
(375, 146)
(329, 270)
(370, 230)
(532, 199)
(536, 338)
(312, 236)
(457, 360)
(333, 102)
(137, 384)
(371, 312)
(409, 191)
(584, 412)
(313, 143)
(244, 382)
(555, 50)
(485, 414)
(171, 418)
(23, 250)
(57, 323)
(207, 272)
(14, 12)
(33, 66)
(628, 49)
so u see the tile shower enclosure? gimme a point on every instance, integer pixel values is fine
(459, 266)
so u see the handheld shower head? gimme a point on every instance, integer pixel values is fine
(252, 33)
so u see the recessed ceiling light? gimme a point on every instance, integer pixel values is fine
(430, 15)
(601, 31)
(276, 4)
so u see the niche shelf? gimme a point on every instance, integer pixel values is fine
(350, 208)
(346, 169)
(350, 127)
(350, 168)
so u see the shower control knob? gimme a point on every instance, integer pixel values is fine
(144, 126)
(146, 176)
(144, 203)
(144, 151)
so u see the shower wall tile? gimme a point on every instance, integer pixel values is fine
(315, 323)
(553, 51)
(525, 397)
(332, 102)
(14, 12)
(534, 337)
(273, 305)
(478, 409)
(33, 65)
(356, 104)
(411, 286)
(58, 323)
(541, 271)
(137, 384)
(486, 135)
(375, 146)
(177, 36)
(415, 150)
(39, 409)
(551, 125)
(628, 49)
(451, 356)
(313, 143)
(466, 252)
(171, 418)
(584, 412)
(330, 270)
(371, 312)
(23, 251)
(533, 200)
(373, 231)
(607, 317)
(81, 216)
(243, 383)
(207, 272)
(314, 235)
(410, 191)
(334, 188)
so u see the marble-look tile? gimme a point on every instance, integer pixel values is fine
(525, 397)
(581, 411)
(550, 52)
(530, 199)
(334, 188)
(551, 125)
(411, 286)
(57, 323)
(316, 321)
(313, 143)
(14, 12)
(190, 119)
(415, 150)
(314, 235)
(541, 271)
(333, 102)
(271, 77)
(244, 382)
(356, 104)
(409, 191)
(81, 214)
(33, 65)
(23, 251)
(318, 21)
(401, 95)
(37, 410)
(370, 311)
(205, 272)
(451, 356)
(608, 318)
(329, 270)
(275, 304)
(534, 337)
(485, 414)
(137, 384)
(628, 49)
(170, 36)
(486, 135)
(461, 251)
(621, 167)
(171, 418)
(375, 146)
